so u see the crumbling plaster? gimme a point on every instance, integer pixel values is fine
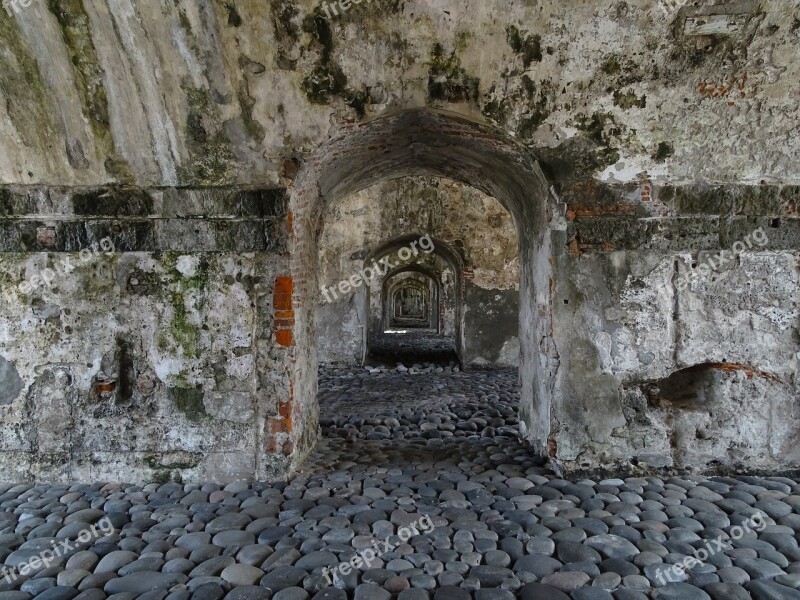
(690, 120)
(208, 93)
(151, 361)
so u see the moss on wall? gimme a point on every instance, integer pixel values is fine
(663, 151)
(27, 99)
(208, 144)
(327, 80)
(628, 99)
(287, 33)
(189, 401)
(182, 332)
(75, 30)
(448, 81)
(528, 46)
(603, 130)
(537, 100)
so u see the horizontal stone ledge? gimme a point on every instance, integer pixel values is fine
(684, 233)
(144, 235)
(121, 202)
(595, 199)
(732, 199)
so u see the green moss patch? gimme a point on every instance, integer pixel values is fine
(27, 99)
(447, 79)
(611, 65)
(628, 100)
(526, 45)
(182, 332)
(189, 401)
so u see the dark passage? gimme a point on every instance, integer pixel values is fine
(409, 347)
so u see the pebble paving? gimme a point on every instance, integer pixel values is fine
(415, 346)
(402, 445)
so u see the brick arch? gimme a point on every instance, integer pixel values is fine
(440, 144)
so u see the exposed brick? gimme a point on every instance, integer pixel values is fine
(285, 409)
(283, 293)
(284, 337)
(583, 211)
(283, 318)
(279, 425)
(749, 371)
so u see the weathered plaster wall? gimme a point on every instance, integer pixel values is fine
(491, 322)
(470, 222)
(206, 92)
(668, 355)
(155, 360)
(654, 96)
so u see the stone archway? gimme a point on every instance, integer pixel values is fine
(408, 300)
(449, 256)
(426, 142)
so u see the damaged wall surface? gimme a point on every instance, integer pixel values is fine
(209, 92)
(678, 335)
(627, 144)
(156, 360)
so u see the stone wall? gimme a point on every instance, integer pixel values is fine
(678, 329)
(204, 92)
(156, 359)
(627, 140)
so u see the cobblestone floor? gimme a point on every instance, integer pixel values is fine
(414, 346)
(421, 483)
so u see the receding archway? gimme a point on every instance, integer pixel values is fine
(412, 319)
(430, 143)
(410, 298)
(445, 263)
(409, 302)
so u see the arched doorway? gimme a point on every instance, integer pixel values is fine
(409, 302)
(443, 266)
(431, 143)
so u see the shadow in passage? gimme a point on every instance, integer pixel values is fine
(409, 347)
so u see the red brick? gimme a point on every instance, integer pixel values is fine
(284, 337)
(285, 409)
